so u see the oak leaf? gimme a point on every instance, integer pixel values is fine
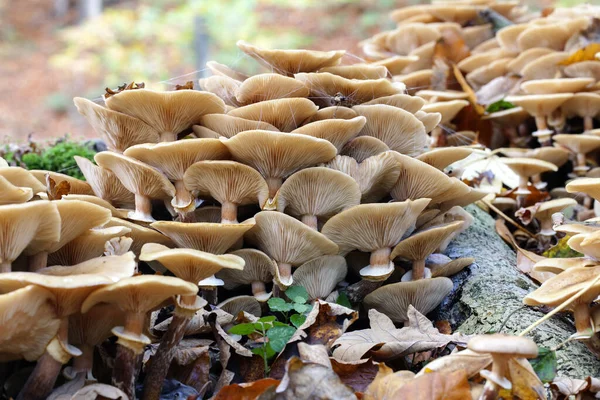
(246, 391)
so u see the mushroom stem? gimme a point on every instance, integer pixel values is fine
(143, 209)
(229, 213)
(581, 314)
(159, 364)
(310, 220)
(418, 270)
(588, 123)
(285, 274)
(85, 361)
(124, 370)
(581, 167)
(588, 202)
(42, 379)
(540, 123)
(274, 184)
(259, 289)
(38, 261)
(537, 181)
(168, 137)
(499, 369)
(183, 200)
(5, 266)
(436, 134)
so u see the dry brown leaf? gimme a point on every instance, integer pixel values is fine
(588, 53)
(467, 360)
(54, 191)
(387, 383)
(562, 387)
(246, 391)
(525, 383)
(451, 47)
(385, 342)
(358, 374)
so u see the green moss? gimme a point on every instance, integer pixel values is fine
(59, 158)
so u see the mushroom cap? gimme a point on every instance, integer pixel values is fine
(442, 95)
(290, 62)
(451, 267)
(497, 343)
(355, 91)
(583, 69)
(317, 191)
(228, 125)
(336, 131)
(171, 112)
(320, 276)
(265, 87)
(375, 176)
(396, 64)
(578, 143)
(425, 54)
(119, 213)
(543, 67)
(415, 81)
(429, 120)
(189, 264)
(331, 112)
(258, 268)
(558, 265)
(203, 236)
(94, 327)
(478, 60)
(284, 114)
(455, 13)
(551, 36)
(362, 147)
(112, 267)
(487, 73)
(582, 105)
(420, 245)
(105, 184)
(136, 176)
(410, 36)
(369, 227)
(223, 70)
(528, 167)
(586, 244)
(10, 193)
(27, 224)
(174, 158)
(589, 186)
(86, 246)
(140, 294)
(475, 35)
(448, 109)
(555, 155)
(77, 186)
(424, 295)
(278, 154)
(511, 117)
(399, 129)
(119, 131)
(358, 71)
(442, 157)
(223, 87)
(409, 103)
(22, 178)
(29, 322)
(516, 64)
(471, 196)
(70, 291)
(227, 182)
(238, 304)
(140, 235)
(564, 85)
(563, 286)
(287, 240)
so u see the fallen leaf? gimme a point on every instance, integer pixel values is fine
(544, 364)
(467, 360)
(444, 327)
(99, 390)
(385, 342)
(56, 191)
(246, 391)
(525, 383)
(567, 387)
(356, 374)
(66, 391)
(188, 85)
(387, 383)
(588, 53)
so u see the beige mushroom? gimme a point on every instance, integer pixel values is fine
(284, 114)
(320, 276)
(216, 125)
(258, 270)
(105, 184)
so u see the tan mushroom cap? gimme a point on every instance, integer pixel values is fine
(10, 194)
(28, 224)
(589, 186)
(429, 120)
(290, 62)
(420, 245)
(321, 275)
(578, 143)
(70, 291)
(238, 304)
(396, 64)
(317, 192)
(576, 228)
(424, 295)
(265, 87)
(284, 114)
(543, 67)
(223, 87)
(478, 60)
(363, 147)
(454, 13)
(558, 265)
(93, 327)
(561, 287)
(375, 176)
(399, 15)
(442, 157)
(415, 81)
(465, 198)
(223, 70)
(549, 86)
(357, 71)
(29, 322)
(509, 345)
(228, 125)
(487, 45)
(258, 268)
(203, 236)
(332, 112)
(485, 74)
(140, 294)
(442, 95)
(551, 36)
(86, 246)
(22, 178)
(105, 184)
(119, 131)
(336, 131)
(412, 104)
(277, 155)
(77, 186)
(511, 117)
(112, 267)
(452, 267)
(369, 227)
(140, 235)
(582, 105)
(190, 265)
(168, 112)
(508, 35)
(475, 35)
(425, 53)
(527, 167)
(525, 57)
(585, 243)
(583, 69)
(118, 213)
(398, 129)
(354, 91)
(408, 37)
(448, 109)
(228, 182)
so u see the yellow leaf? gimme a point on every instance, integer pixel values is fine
(588, 53)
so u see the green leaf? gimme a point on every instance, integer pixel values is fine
(277, 323)
(297, 320)
(343, 300)
(265, 352)
(262, 326)
(297, 293)
(544, 364)
(301, 308)
(562, 250)
(278, 304)
(279, 336)
(500, 105)
(242, 329)
(269, 318)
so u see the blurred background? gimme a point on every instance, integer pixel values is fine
(53, 50)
